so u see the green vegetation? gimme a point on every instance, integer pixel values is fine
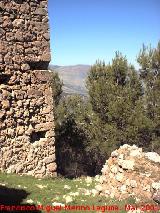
(56, 85)
(149, 60)
(123, 107)
(54, 192)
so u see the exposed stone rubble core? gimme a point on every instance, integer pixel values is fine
(131, 172)
(26, 108)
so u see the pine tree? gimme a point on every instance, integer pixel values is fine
(149, 60)
(116, 96)
(56, 85)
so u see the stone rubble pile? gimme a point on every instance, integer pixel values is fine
(129, 172)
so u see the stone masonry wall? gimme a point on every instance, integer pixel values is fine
(26, 108)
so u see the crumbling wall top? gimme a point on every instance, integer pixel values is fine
(24, 34)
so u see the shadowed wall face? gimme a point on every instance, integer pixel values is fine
(26, 108)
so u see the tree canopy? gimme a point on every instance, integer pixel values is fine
(123, 106)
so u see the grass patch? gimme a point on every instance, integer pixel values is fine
(46, 192)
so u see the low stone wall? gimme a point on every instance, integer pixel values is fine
(26, 104)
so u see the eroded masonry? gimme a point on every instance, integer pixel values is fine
(26, 108)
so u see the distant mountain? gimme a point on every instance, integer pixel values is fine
(73, 78)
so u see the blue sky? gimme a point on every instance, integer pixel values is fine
(85, 30)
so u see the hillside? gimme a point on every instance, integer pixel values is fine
(73, 77)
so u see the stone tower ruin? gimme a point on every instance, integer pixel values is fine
(26, 108)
